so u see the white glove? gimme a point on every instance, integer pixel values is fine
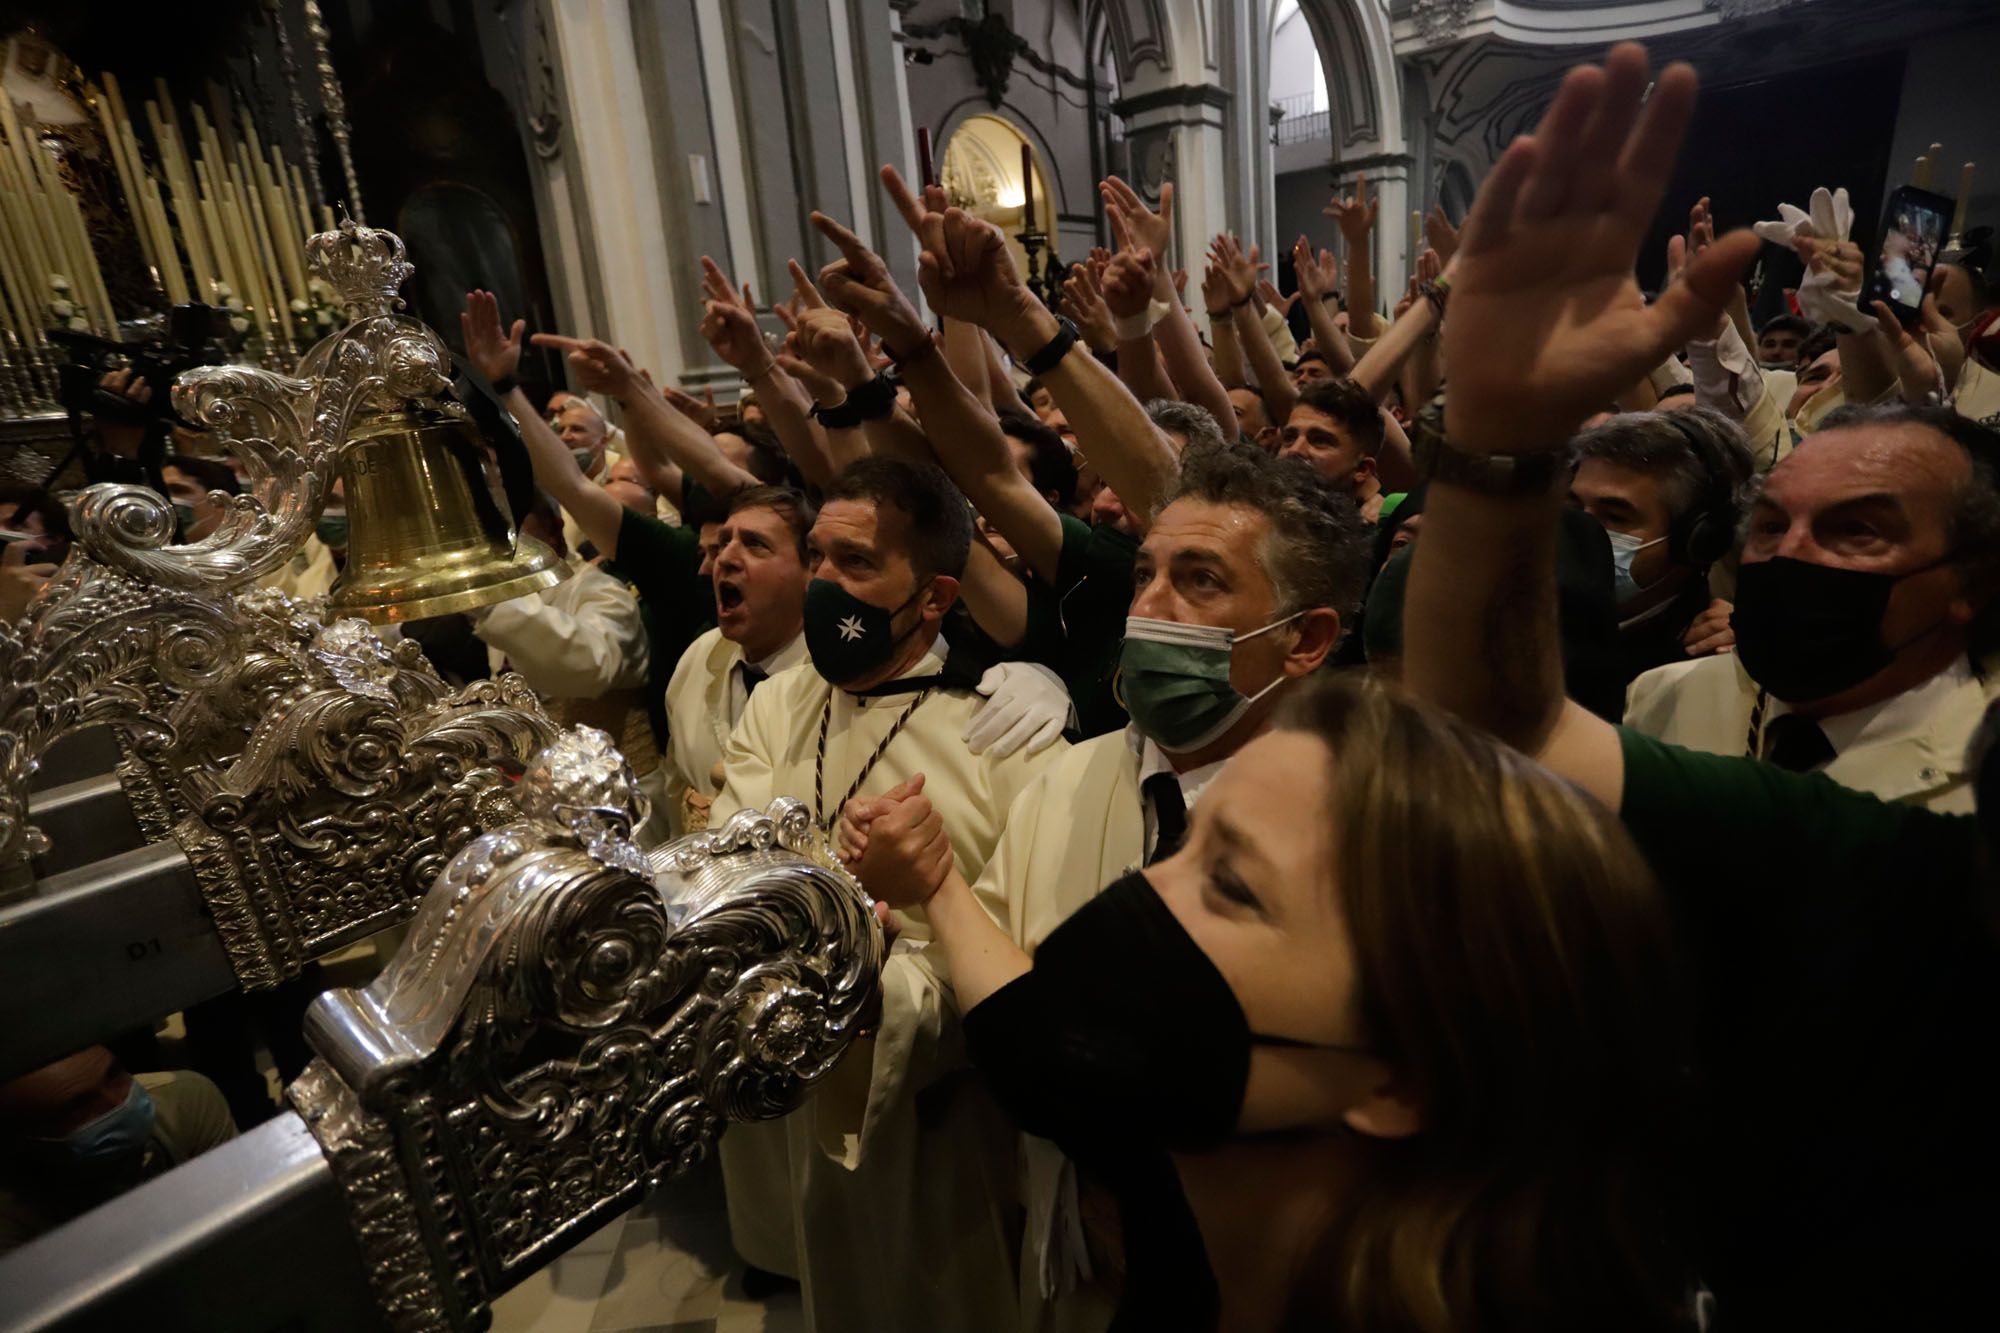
(1831, 219)
(1026, 705)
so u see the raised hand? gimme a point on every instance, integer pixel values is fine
(1547, 320)
(859, 284)
(1831, 288)
(1319, 275)
(702, 411)
(716, 286)
(826, 341)
(1083, 301)
(1268, 293)
(1239, 270)
(925, 215)
(1440, 235)
(975, 280)
(731, 329)
(1128, 283)
(496, 355)
(1916, 369)
(1155, 231)
(1355, 216)
(1215, 293)
(598, 366)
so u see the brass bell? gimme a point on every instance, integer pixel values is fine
(426, 535)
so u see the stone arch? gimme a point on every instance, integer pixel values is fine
(1363, 84)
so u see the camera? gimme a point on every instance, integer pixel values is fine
(193, 338)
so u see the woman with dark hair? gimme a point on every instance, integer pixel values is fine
(1393, 1042)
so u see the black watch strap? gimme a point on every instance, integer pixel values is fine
(1052, 353)
(505, 385)
(841, 416)
(1500, 474)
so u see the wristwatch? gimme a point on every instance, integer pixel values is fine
(1053, 351)
(1496, 474)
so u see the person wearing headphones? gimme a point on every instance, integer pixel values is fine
(1665, 487)
(1867, 614)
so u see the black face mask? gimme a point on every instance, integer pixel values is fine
(1806, 631)
(1123, 1035)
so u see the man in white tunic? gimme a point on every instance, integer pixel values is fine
(760, 591)
(904, 1192)
(1241, 545)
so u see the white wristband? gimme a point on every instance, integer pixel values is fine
(1139, 327)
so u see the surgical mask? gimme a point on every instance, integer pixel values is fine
(1624, 546)
(1807, 631)
(1124, 1032)
(1174, 680)
(583, 459)
(332, 530)
(184, 515)
(846, 637)
(117, 1137)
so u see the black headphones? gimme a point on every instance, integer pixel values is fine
(1706, 532)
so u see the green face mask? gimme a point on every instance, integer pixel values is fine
(1174, 680)
(184, 515)
(846, 637)
(583, 460)
(332, 531)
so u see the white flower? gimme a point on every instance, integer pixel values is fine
(317, 286)
(61, 309)
(222, 290)
(235, 303)
(239, 324)
(78, 323)
(298, 307)
(59, 282)
(322, 317)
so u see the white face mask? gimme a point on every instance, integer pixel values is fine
(1624, 546)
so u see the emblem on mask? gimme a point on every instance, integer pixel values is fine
(851, 629)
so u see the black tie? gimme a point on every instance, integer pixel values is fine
(752, 678)
(1169, 815)
(1796, 743)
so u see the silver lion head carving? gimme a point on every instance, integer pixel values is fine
(563, 1030)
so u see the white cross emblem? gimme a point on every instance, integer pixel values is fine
(850, 629)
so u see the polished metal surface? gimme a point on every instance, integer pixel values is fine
(560, 1034)
(350, 798)
(136, 622)
(425, 537)
(84, 821)
(247, 1238)
(103, 949)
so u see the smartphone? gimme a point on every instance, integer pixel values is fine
(1914, 226)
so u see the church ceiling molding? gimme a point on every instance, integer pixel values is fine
(1364, 90)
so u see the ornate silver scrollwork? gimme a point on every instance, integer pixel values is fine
(349, 797)
(134, 622)
(559, 1034)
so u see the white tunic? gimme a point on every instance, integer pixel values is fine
(905, 1192)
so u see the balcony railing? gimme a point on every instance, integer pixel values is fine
(1299, 123)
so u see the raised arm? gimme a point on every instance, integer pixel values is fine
(658, 434)
(1379, 366)
(967, 438)
(1356, 218)
(1547, 322)
(1135, 458)
(1128, 293)
(1319, 285)
(1239, 276)
(729, 322)
(497, 355)
(1180, 345)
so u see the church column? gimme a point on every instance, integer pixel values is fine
(609, 218)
